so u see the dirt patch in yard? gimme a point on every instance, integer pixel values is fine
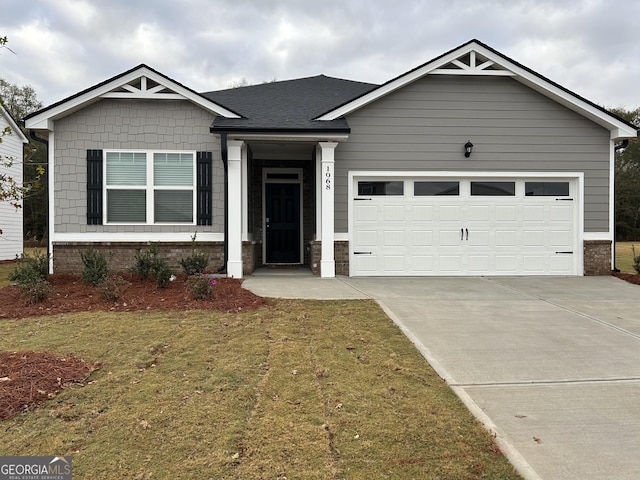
(71, 295)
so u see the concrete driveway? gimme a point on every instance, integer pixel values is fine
(551, 365)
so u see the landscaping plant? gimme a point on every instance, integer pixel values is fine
(197, 261)
(30, 275)
(200, 287)
(149, 264)
(30, 269)
(95, 267)
(636, 259)
(112, 287)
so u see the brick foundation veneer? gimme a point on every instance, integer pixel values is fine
(250, 256)
(597, 257)
(340, 252)
(121, 256)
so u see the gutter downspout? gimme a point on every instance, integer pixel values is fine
(36, 138)
(225, 157)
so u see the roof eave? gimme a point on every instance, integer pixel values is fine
(283, 134)
(15, 128)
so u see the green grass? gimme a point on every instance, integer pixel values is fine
(624, 256)
(302, 389)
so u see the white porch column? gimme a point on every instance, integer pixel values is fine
(234, 184)
(327, 185)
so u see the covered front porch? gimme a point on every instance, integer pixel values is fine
(280, 204)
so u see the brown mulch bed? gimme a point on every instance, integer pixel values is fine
(71, 295)
(30, 378)
(628, 277)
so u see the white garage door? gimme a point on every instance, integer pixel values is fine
(474, 226)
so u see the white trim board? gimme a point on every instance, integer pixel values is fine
(136, 237)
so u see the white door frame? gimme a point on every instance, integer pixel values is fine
(273, 171)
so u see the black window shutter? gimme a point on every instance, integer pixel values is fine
(204, 192)
(94, 187)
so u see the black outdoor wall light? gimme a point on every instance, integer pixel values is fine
(467, 149)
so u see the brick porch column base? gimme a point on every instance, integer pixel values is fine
(597, 257)
(341, 254)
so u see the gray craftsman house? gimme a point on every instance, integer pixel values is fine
(470, 164)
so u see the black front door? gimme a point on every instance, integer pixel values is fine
(282, 222)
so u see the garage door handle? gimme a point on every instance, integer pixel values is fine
(467, 230)
(462, 234)
(565, 253)
(362, 253)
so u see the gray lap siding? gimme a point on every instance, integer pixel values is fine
(424, 126)
(123, 124)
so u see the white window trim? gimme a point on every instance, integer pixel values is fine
(150, 188)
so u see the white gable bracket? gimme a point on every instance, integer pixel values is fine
(131, 91)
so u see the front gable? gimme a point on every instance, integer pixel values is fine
(139, 83)
(477, 59)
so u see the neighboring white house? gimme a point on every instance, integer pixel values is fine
(11, 243)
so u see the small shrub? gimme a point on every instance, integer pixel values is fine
(161, 273)
(95, 267)
(195, 263)
(30, 269)
(200, 287)
(36, 291)
(112, 287)
(144, 261)
(149, 264)
(636, 259)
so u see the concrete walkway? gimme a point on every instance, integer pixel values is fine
(551, 365)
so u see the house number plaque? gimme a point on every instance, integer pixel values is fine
(327, 179)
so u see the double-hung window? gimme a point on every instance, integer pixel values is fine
(149, 187)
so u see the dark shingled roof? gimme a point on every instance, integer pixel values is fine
(287, 106)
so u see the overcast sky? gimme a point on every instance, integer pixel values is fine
(64, 46)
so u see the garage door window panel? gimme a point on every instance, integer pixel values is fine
(381, 188)
(547, 189)
(427, 189)
(493, 189)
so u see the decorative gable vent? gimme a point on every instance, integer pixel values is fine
(472, 63)
(143, 88)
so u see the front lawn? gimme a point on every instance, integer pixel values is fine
(298, 389)
(624, 256)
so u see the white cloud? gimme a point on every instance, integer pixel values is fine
(588, 46)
